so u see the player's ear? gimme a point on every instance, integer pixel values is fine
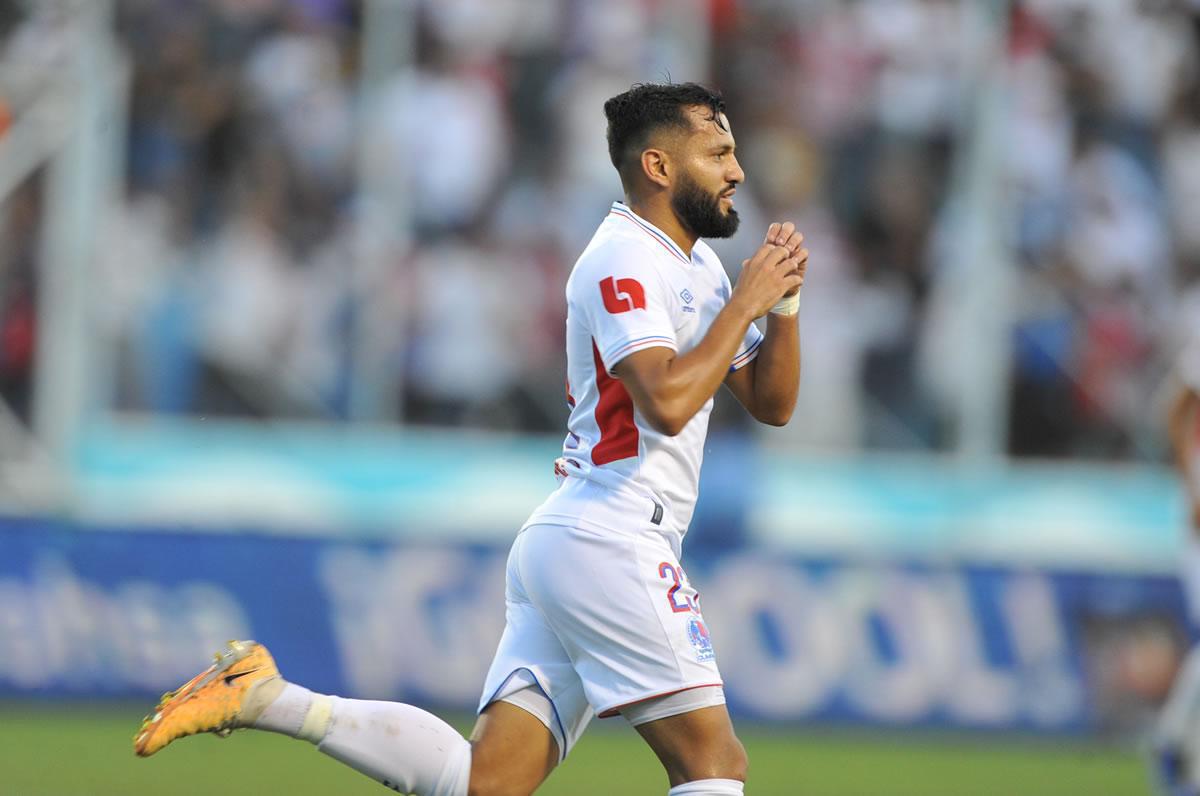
(656, 167)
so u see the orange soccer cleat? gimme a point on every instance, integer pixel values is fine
(229, 694)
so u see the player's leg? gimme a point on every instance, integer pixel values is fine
(533, 707)
(1177, 736)
(532, 711)
(623, 609)
(512, 752)
(401, 746)
(699, 749)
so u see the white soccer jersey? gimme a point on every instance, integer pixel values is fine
(1189, 365)
(633, 288)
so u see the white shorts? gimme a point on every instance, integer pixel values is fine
(599, 621)
(1190, 576)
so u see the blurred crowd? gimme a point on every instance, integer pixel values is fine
(232, 277)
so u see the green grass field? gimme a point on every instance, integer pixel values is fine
(65, 750)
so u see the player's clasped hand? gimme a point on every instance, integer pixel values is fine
(774, 271)
(787, 236)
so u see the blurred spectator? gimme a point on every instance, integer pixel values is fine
(1097, 180)
(243, 216)
(18, 297)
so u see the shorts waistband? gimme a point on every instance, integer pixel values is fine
(587, 503)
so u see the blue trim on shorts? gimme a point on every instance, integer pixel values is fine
(562, 753)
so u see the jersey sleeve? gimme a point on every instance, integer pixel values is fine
(748, 350)
(626, 306)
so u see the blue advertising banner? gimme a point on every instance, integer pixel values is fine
(131, 613)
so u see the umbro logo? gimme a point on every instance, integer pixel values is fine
(686, 295)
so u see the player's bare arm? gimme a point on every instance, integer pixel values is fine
(1181, 428)
(669, 388)
(768, 385)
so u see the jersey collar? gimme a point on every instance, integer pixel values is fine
(622, 210)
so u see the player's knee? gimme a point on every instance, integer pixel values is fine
(494, 776)
(730, 761)
(724, 760)
(494, 787)
(738, 762)
(487, 783)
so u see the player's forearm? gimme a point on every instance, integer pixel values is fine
(1181, 428)
(777, 371)
(1179, 422)
(689, 380)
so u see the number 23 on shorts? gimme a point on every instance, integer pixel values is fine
(680, 603)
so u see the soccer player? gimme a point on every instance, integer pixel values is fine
(601, 617)
(1177, 741)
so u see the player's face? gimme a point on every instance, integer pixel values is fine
(704, 188)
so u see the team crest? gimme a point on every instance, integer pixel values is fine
(701, 642)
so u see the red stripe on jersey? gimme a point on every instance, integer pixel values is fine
(614, 415)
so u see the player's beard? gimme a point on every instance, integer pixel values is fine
(700, 211)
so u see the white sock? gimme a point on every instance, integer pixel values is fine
(401, 746)
(1180, 716)
(284, 713)
(709, 787)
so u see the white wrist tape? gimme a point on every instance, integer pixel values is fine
(788, 305)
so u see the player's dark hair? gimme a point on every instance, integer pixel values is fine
(646, 107)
